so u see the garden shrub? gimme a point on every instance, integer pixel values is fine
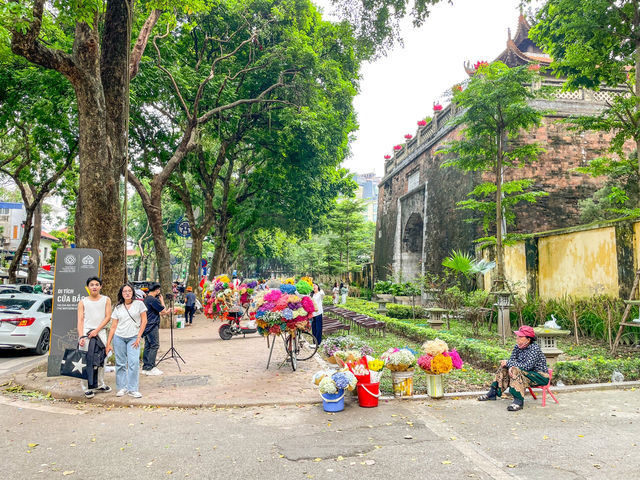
(590, 370)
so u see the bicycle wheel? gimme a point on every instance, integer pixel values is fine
(290, 346)
(307, 346)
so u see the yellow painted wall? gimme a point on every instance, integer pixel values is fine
(579, 264)
(515, 268)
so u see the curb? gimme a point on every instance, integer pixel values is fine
(24, 380)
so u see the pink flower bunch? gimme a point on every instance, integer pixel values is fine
(397, 148)
(408, 136)
(424, 362)
(437, 107)
(273, 296)
(481, 63)
(387, 157)
(422, 123)
(455, 358)
(307, 304)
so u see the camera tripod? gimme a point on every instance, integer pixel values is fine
(172, 352)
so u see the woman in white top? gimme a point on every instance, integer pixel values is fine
(316, 322)
(94, 312)
(336, 293)
(128, 321)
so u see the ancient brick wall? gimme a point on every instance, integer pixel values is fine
(445, 226)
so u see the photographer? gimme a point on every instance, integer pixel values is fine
(155, 307)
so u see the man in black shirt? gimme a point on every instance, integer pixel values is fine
(155, 307)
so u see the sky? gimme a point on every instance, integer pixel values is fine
(398, 90)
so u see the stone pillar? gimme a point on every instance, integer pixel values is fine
(503, 302)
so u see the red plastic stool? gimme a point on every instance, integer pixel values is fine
(545, 388)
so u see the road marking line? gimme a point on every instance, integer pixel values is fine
(482, 460)
(42, 408)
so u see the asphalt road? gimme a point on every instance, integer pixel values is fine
(587, 435)
(13, 360)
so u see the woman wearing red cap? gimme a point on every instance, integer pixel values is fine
(526, 367)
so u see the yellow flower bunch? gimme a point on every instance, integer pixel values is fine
(290, 281)
(441, 364)
(376, 365)
(309, 280)
(223, 279)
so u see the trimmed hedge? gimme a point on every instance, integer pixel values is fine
(404, 311)
(591, 370)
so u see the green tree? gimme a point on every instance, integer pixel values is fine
(495, 110)
(351, 235)
(595, 43)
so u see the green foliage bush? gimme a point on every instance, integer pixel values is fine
(593, 369)
(404, 311)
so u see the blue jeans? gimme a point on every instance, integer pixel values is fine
(151, 345)
(127, 363)
(316, 327)
(188, 313)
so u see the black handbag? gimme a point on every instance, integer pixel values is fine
(74, 362)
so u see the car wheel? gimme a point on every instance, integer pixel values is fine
(43, 343)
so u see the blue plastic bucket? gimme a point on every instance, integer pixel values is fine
(333, 402)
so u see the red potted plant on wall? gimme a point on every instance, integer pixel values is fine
(422, 123)
(437, 107)
(387, 157)
(397, 148)
(481, 63)
(408, 136)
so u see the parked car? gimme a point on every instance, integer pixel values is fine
(25, 321)
(20, 288)
(9, 289)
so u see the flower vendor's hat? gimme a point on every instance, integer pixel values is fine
(189, 289)
(525, 331)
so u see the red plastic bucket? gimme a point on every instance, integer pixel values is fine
(363, 378)
(368, 394)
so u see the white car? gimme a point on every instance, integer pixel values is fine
(25, 321)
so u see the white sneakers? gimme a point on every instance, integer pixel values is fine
(154, 371)
(134, 394)
(121, 393)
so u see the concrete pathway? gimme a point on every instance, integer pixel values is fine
(215, 372)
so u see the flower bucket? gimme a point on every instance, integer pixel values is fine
(368, 394)
(402, 383)
(435, 389)
(375, 376)
(333, 402)
(179, 322)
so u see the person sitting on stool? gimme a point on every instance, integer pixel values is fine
(526, 368)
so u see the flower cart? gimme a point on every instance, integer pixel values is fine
(285, 313)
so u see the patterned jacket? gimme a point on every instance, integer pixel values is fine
(530, 359)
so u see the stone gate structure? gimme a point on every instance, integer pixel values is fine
(418, 223)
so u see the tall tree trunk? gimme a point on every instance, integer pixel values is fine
(17, 256)
(163, 257)
(219, 254)
(499, 251)
(194, 261)
(34, 257)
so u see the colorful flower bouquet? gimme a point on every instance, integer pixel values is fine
(346, 348)
(399, 360)
(280, 310)
(375, 369)
(438, 359)
(246, 290)
(332, 382)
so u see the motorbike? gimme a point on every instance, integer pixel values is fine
(233, 327)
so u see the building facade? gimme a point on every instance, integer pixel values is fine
(368, 192)
(418, 223)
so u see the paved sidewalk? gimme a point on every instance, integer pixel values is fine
(216, 372)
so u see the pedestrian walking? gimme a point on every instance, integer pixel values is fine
(344, 290)
(155, 307)
(94, 312)
(128, 322)
(316, 321)
(189, 306)
(336, 293)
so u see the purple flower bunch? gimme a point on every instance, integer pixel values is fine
(340, 380)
